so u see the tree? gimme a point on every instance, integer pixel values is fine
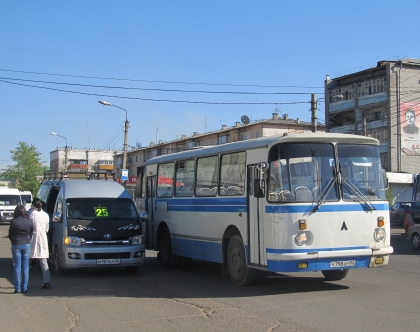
(28, 166)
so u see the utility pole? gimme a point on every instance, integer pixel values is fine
(105, 103)
(313, 112)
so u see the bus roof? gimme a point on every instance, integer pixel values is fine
(264, 142)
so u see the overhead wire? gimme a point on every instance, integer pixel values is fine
(163, 81)
(152, 99)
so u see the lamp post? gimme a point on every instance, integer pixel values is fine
(125, 131)
(65, 150)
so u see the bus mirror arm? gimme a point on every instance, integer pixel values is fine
(259, 184)
(144, 216)
(259, 191)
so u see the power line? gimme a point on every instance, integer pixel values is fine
(154, 89)
(162, 81)
(151, 99)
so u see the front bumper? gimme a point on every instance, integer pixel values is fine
(88, 256)
(320, 260)
(6, 216)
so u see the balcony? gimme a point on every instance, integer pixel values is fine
(80, 166)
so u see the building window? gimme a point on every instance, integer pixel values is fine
(257, 134)
(78, 162)
(224, 139)
(372, 87)
(242, 136)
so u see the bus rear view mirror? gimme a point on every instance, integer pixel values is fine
(259, 188)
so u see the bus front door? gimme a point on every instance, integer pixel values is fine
(150, 196)
(256, 251)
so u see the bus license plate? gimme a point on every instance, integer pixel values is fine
(342, 263)
(108, 261)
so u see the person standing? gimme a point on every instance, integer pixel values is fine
(408, 222)
(20, 235)
(39, 248)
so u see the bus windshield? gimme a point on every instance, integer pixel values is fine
(302, 172)
(9, 200)
(361, 171)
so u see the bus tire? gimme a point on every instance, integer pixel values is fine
(166, 256)
(332, 275)
(185, 262)
(56, 263)
(239, 272)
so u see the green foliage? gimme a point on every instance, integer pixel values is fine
(28, 166)
(389, 197)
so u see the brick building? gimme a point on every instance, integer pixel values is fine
(238, 132)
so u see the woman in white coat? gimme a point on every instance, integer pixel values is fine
(39, 247)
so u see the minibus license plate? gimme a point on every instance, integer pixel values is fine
(108, 261)
(342, 263)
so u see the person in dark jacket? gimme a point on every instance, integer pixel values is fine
(20, 234)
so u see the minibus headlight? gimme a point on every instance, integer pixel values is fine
(138, 239)
(301, 238)
(379, 234)
(72, 241)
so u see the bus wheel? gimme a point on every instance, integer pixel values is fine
(167, 258)
(56, 263)
(239, 273)
(332, 275)
(185, 262)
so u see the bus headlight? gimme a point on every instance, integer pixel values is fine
(301, 238)
(379, 234)
(138, 239)
(72, 241)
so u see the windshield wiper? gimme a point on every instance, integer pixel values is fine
(324, 193)
(353, 189)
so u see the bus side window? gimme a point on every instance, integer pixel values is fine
(207, 176)
(233, 179)
(165, 180)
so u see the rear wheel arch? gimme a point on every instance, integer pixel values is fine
(230, 232)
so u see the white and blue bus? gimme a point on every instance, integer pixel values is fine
(293, 203)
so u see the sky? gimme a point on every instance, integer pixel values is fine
(178, 67)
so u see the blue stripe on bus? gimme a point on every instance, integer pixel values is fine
(206, 204)
(204, 250)
(323, 208)
(290, 251)
(204, 201)
(210, 208)
(315, 265)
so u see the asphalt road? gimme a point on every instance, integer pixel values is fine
(200, 298)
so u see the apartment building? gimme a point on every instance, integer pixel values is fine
(241, 130)
(81, 160)
(381, 102)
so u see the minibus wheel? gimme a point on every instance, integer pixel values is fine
(415, 241)
(239, 272)
(332, 275)
(166, 255)
(131, 269)
(56, 263)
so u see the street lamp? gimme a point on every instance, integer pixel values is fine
(65, 150)
(105, 103)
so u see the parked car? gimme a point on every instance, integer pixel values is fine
(396, 212)
(414, 232)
